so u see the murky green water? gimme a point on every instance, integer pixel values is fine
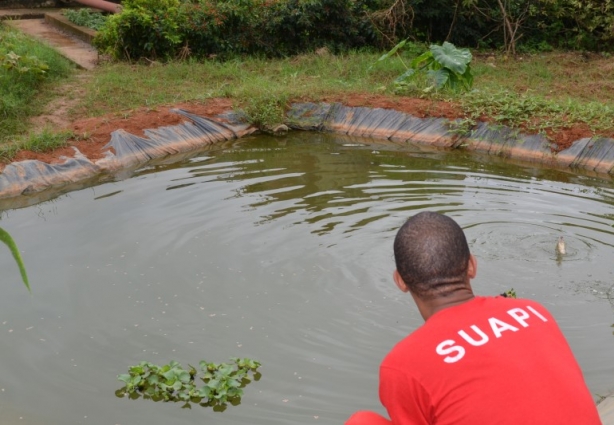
(279, 249)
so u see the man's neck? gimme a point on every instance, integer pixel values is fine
(429, 307)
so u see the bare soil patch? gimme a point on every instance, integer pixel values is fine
(92, 134)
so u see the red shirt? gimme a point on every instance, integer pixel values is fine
(487, 361)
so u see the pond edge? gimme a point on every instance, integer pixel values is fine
(127, 152)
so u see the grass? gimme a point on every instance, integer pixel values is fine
(43, 141)
(545, 91)
(537, 92)
(540, 92)
(309, 76)
(28, 69)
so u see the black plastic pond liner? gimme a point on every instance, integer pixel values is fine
(596, 154)
(126, 152)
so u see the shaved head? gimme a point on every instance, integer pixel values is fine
(431, 255)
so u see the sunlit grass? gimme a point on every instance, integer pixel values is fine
(24, 92)
(303, 77)
(43, 141)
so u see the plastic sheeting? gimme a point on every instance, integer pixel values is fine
(595, 154)
(126, 151)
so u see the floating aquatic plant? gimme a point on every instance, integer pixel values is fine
(222, 383)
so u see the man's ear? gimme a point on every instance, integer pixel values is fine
(399, 281)
(472, 267)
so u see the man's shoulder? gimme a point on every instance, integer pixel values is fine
(487, 308)
(489, 315)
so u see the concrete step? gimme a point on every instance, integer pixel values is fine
(36, 13)
(58, 20)
(606, 410)
(53, 30)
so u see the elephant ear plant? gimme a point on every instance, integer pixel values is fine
(10, 243)
(218, 385)
(445, 66)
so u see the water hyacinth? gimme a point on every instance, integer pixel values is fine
(223, 383)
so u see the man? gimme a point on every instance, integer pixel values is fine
(476, 360)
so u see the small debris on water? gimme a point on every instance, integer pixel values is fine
(560, 246)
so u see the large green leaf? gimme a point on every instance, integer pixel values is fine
(425, 59)
(10, 243)
(407, 74)
(441, 77)
(451, 57)
(184, 376)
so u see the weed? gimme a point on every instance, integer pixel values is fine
(223, 382)
(44, 141)
(47, 140)
(28, 68)
(264, 112)
(445, 66)
(461, 127)
(510, 293)
(86, 18)
(535, 113)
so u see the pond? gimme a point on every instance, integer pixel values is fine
(279, 249)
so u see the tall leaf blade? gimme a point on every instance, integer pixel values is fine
(467, 78)
(392, 51)
(452, 58)
(10, 243)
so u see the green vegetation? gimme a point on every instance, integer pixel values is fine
(510, 293)
(223, 383)
(168, 29)
(537, 114)
(265, 111)
(539, 92)
(251, 83)
(86, 18)
(514, 26)
(43, 141)
(445, 66)
(27, 71)
(171, 29)
(6, 238)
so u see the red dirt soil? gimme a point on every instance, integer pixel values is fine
(94, 133)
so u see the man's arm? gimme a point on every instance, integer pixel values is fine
(405, 400)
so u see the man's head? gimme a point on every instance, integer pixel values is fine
(432, 256)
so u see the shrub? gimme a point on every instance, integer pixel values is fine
(228, 27)
(295, 26)
(163, 29)
(144, 28)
